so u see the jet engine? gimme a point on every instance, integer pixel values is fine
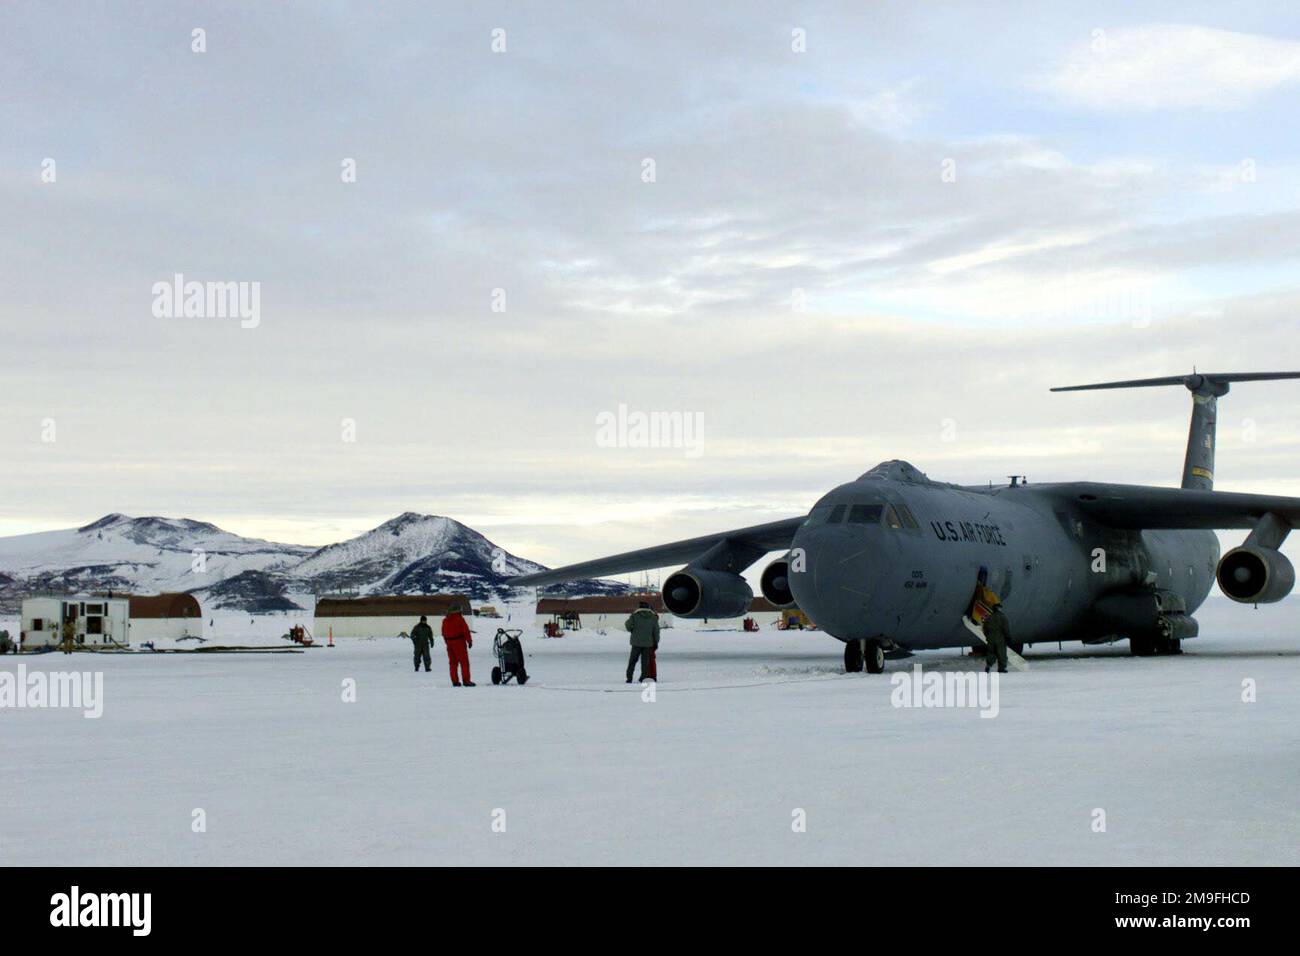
(775, 582)
(1255, 575)
(693, 592)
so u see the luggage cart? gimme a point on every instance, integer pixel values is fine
(510, 657)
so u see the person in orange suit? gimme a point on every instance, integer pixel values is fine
(458, 639)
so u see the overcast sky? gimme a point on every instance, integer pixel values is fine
(872, 231)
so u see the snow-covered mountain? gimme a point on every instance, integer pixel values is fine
(411, 554)
(145, 555)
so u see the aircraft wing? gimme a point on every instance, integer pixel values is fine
(1138, 507)
(772, 536)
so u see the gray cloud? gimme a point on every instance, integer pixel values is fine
(926, 300)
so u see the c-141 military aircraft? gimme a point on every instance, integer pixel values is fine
(888, 563)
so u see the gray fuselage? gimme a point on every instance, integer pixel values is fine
(902, 568)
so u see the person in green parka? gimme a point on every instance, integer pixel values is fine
(997, 635)
(422, 639)
(643, 625)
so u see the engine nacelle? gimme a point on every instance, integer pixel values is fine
(775, 583)
(1255, 575)
(692, 592)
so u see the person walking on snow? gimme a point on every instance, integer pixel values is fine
(458, 638)
(643, 625)
(997, 635)
(422, 639)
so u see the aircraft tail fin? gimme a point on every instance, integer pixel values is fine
(1206, 388)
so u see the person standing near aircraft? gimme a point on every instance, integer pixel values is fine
(997, 635)
(643, 626)
(422, 639)
(458, 638)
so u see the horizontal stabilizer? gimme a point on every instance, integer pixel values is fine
(1193, 381)
(1206, 388)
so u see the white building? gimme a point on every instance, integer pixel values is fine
(597, 611)
(166, 617)
(89, 621)
(381, 615)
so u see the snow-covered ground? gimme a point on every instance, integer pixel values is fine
(744, 731)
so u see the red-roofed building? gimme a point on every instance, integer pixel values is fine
(382, 615)
(165, 617)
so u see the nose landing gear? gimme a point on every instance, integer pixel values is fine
(859, 654)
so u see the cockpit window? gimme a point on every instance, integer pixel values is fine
(896, 517)
(826, 514)
(865, 514)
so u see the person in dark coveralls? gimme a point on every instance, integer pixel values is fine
(643, 625)
(997, 635)
(422, 638)
(458, 638)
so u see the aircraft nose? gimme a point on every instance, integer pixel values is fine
(833, 586)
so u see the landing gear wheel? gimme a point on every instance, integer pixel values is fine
(1168, 645)
(496, 675)
(1142, 646)
(874, 657)
(853, 657)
